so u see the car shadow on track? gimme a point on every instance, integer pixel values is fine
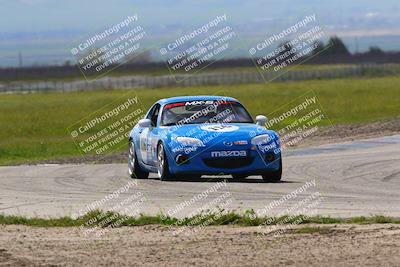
(211, 179)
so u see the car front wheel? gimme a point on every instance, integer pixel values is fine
(162, 164)
(274, 176)
(134, 169)
(239, 177)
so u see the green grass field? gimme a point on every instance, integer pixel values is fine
(34, 126)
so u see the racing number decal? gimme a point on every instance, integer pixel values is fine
(143, 144)
(220, 128)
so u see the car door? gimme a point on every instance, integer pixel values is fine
(148, 137)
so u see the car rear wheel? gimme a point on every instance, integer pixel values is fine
(134, 169)
(274, 176)
(162, 164)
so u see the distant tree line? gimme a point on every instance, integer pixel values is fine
(335, 47)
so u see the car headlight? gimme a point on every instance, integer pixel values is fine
(261, 139)
(189, 141)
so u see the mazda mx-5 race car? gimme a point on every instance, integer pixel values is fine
(203, 135)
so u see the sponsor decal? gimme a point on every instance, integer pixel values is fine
(231, 153)
(199, 102)
(240, 143)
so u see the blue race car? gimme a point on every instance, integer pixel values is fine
(203, 135)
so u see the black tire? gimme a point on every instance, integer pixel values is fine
(187, 176)
(162, 164)
(239, 177)
(274, 176)
(134, 169)
(194, 176)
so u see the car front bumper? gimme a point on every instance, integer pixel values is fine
(201, 161)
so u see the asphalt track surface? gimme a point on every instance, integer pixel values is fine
(360, 178)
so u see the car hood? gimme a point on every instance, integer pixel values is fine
(210, 132)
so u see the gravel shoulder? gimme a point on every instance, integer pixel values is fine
(344, 133)
(315, 245)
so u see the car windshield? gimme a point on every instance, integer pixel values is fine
(204, 111)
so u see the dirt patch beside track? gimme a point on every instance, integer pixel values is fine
(315, 245)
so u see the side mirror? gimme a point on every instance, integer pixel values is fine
(145, 123)
(261, 120)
